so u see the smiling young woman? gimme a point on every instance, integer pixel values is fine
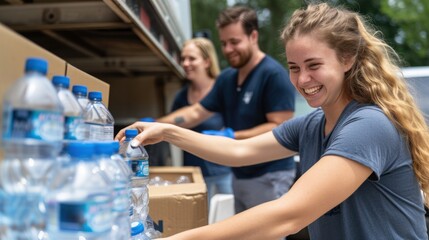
(364, 152)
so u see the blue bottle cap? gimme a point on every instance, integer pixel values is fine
(136, 228)
(130, 133)
(80, 149)
(63, 81)
(80, 89)
(147, 119)
(36, 64)
(104, 148)
(95, 96)
(115, 146)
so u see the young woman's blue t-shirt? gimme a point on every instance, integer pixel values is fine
(388, 205)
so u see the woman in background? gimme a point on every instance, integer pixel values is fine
(200, 62)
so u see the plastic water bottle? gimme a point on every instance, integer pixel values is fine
(98, 119)
(124, 167)
(32, 133)
(139, 163)
(81, 94)
(120, 182)
(80, 200)
(73, 123)
(122, 162)
(137, 231)
(150, 230)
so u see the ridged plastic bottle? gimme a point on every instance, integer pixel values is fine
(73, 122)
(121, 188)
(139, 162)
(81, 94)
(98, 119)
(80, 201)
(33, 127)
(137, 231)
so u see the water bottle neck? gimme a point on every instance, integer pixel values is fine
(60, 87)
(80, 95)
(129, 139)
(35, 72)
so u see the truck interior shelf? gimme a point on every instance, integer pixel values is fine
(115, 38)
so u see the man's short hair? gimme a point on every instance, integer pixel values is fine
(239, 13)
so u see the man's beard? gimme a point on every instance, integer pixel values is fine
(243, 60)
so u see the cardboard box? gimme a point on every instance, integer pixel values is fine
(78, 76)
(15, 49)
(178, 207)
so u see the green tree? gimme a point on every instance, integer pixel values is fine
(412, 36)
(403, 24)
(204, 14)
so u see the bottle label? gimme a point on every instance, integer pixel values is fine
(73, 128)
(140, 167)
(35, 124)
(100, 132)
(93, 215)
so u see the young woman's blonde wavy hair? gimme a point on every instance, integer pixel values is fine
(208, 52)
(375, 76)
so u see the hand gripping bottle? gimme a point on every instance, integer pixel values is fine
(98, 119)
(139, 162)
(33, 127)
(73, 123)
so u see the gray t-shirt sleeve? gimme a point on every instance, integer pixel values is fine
(287, 133)
(367, 137)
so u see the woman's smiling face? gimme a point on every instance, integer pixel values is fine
(193, 62)
(316, 71)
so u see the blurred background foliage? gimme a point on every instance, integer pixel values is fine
(403, 24)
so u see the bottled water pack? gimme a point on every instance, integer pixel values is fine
(33, 128)
(80, 199)
(120, 181)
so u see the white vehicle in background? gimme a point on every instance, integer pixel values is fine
(418, 82)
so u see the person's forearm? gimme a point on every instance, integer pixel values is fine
(251, 132)
(222, 150)
(273, 120)
(187, 117)
(266, 221)
(178, 118)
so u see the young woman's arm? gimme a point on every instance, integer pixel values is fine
(217, 149)
(328, 183)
